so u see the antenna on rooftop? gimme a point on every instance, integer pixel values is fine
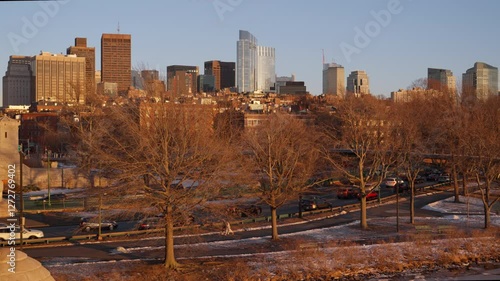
(323, 50)
(118, 29)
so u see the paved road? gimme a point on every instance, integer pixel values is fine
(71, 228)
(101, 250)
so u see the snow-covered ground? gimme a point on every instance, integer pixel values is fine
(460, 215)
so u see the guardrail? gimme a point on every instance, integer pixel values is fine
(93, 236)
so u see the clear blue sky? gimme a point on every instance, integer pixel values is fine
(451, 34)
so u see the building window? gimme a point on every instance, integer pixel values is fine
(5, 134)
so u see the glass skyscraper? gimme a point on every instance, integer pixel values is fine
(246, 60)
(255, 65)
(481, 80)
(266, 70)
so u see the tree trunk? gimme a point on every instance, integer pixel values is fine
(170, 261)
(274, 223)
(486, 216)
(455, 184)
(412, 203)
(464, 184)
(364, 223)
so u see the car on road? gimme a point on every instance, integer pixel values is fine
(151, 223)
(5, 233)
(314, 203)
(347, 192)
(88, 224)
(392, 181)
(370, 196)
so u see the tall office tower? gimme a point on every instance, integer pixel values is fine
(116, 60)
(481, 81)
(181, 79)
(246, 62)
(266, 71)
(223, 72)
(81, 50)
(17, 82)
(58, 78)
(333, 79)
(441, 80)
(358, 83)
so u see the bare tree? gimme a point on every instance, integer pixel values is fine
(282, 154)
(361, 128)
(483, 130)
(409, 144)
(421, 83)
(166, 151)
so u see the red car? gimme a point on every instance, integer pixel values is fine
(370, 196)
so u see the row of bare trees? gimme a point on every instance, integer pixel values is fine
(179, 157)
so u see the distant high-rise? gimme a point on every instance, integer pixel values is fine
(58, 78)
(116, 60)
(441, 80)
(333, 79)
(255, 65)
(246, 62)
(206, 83)
(181, 79)
(81, 50)
(358, 83)
(481, 81)
(223, 72)
(17, 81)
(266, 71)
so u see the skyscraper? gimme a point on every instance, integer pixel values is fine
(81, 50)
(17, 81)
(441, 80)
(481, 81)
(358, 83)
(58, 78)
(246, 60)
(266, 71)
(255, 65)
(181, 79)
(116, 60)
(223, 72)
(333, 79)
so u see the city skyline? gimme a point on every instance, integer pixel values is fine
(395, 42)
